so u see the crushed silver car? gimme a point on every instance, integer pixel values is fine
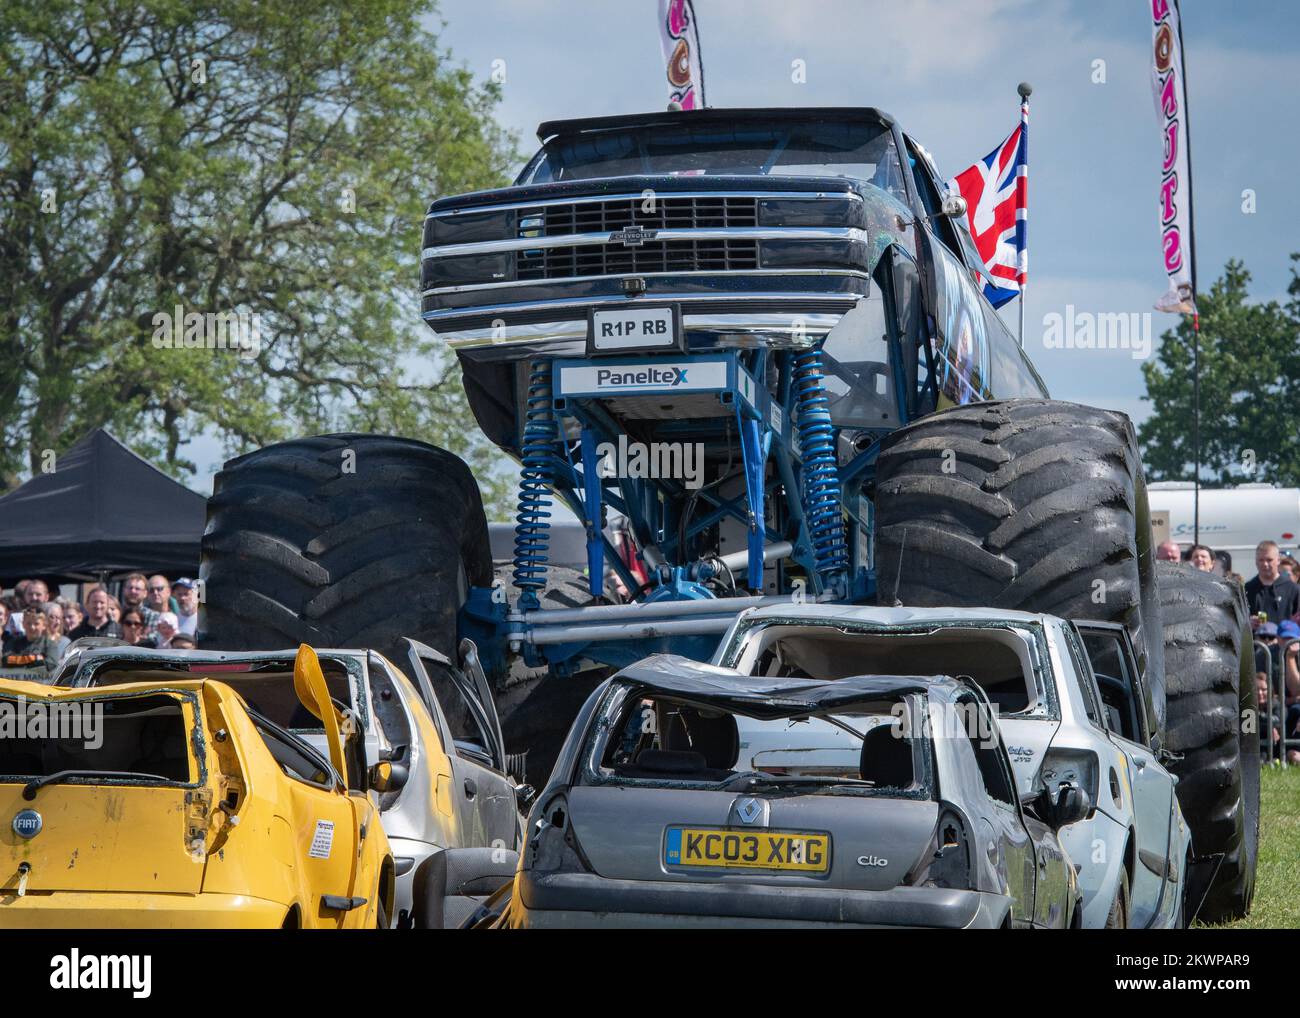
(1071, 706)
(651, 819)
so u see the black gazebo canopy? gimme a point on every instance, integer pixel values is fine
(102, 511)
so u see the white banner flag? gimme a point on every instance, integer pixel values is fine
(681, 45)
(1170, 89)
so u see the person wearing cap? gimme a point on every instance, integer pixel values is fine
(186, 595)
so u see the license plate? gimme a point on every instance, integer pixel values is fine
(727, 848)
(635, 329)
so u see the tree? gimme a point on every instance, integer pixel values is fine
(228, 158)
(1250, 368)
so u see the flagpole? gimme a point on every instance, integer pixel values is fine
(1196, 313)
(1024, 90)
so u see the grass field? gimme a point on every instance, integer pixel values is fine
(1277, 887)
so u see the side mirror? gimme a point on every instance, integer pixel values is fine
(524, 796)
(387, 776)
(954, 205)
(1072, 805)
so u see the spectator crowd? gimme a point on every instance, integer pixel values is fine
(1273, 599)
(152, 611)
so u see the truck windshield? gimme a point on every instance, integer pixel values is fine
(862, 151)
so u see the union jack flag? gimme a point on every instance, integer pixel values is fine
(996, 190)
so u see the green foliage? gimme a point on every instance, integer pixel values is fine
(1250, 401)
(233, 155)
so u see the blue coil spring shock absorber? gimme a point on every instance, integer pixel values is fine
(821, 478)
(532, 522)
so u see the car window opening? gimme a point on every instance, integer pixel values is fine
(145, 735)
(996, 659)
(663, 739)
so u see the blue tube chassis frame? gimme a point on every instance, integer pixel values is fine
(670, 617)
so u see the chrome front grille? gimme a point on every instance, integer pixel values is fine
(652, 212)
(649, 256)
(648, 213)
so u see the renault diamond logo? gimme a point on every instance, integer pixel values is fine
(28, 824)
(748, 810)
(632, 236)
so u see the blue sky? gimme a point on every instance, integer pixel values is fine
(948, 69)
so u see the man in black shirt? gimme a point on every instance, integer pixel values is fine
(1270, 592)
(96, 622)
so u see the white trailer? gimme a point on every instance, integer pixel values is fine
(1234, 520)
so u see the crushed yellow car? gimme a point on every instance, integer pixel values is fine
(174, 804)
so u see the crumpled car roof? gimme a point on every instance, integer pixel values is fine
(761, 697)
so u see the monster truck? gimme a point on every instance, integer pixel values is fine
(790, 297)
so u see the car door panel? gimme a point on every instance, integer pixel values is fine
(483, 794)
(1149, 786)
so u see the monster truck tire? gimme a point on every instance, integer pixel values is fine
(342, 541)
(1024, 504)
(1210, 666)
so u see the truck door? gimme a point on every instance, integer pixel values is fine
(463, 708)
(1124, 706)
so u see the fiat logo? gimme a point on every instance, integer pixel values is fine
(28, 824)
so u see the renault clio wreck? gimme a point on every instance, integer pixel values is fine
(648, 821)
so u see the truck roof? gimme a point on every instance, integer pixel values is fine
(555, 128)
(893, 616)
